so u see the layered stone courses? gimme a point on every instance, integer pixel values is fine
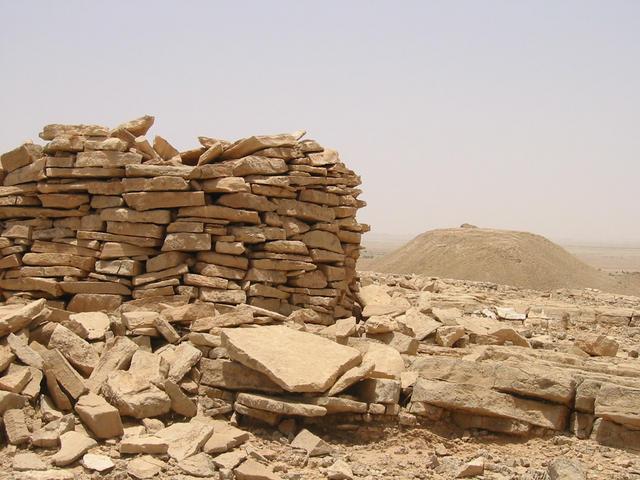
(96, 217)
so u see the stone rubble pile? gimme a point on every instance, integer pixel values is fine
(97, 217)
(170, 384)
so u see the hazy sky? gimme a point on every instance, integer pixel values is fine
(507, 114)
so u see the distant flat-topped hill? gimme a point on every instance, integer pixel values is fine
(506, 257)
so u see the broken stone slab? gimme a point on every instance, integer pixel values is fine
(142, 201)
(280, 406)
(102, 418)
(397, 306)
(160, 217)
(29, 173)
(247, 146)
(198, 465)
(270, 418)
(32, 389)
(145, 467)
(106, 159)
(96, 323)
(566, 469)
(83, 302)
(340, 470)
(16, 317)
(508, 313)
(48, 410)
(618, 404)
(493, 424)
(229, 460)
(417, 322)
(500, 336)
(150, 366)
(76, 350)
(472, 468)
(21, 156)
(380, 324)
(598, 345)
(49, 132)
(387, 360)
(446, 336)
(49, 435)
(339, 405)
(186, 439)
(150, 444)
(166, 330)
(311, 443)
(7, 356)
(352, 376)
(235, 376)
(25, 353)
(64, 373)
(134, 395)
(186, 356)
(59, 397)
(483, 401)
(180, 403)
(402, 343)
(15, 426)
(613, 435)
(247, 201)
(134, 320)
(581, 424)
(222, 213)
(98, 463)
(73, 446)
(552, 384)
(224, 438)
(233, 297)
(379, 390)
(252, 470)
(27, 461)
(297, 361)
(116, 357)
(15, 381)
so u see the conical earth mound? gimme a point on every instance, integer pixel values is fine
(506, 257)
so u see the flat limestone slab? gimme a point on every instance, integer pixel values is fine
(480, 400)
(297, 361)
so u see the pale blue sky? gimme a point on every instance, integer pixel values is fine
(508, 114)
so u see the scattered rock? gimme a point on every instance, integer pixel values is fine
(99, 463)
(73, 446)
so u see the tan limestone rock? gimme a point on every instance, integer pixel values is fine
(73, 446)
(135, 396)
(297, 361)
(101, 418)
(76, 350)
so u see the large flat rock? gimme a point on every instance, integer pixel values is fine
(480, 400)
(297, 361)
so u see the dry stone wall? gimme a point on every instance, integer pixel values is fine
(97, 217)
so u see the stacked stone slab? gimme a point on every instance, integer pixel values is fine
(97, 217)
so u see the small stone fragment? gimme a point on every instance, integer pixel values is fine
(99, 463)
(73, 446)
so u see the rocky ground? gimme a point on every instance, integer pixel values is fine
(492, 382)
